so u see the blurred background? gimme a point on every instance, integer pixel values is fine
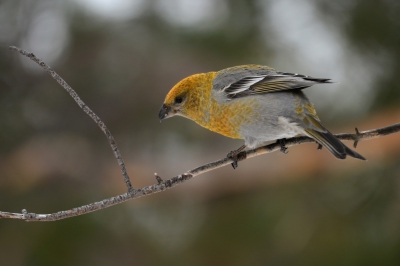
(122, 57)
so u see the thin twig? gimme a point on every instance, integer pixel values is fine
(170, 183)
(85, 108)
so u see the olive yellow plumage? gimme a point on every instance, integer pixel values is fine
(254, 103)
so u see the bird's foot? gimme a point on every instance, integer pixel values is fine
(233, 155)
(282, 143)
(319, 146)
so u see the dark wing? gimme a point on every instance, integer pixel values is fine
(263, 80)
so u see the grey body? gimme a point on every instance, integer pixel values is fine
(276, 117)
(282, 109)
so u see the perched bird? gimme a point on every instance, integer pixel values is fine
(255, 103)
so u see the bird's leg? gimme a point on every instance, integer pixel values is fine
(234, 156)
(282, 143)
(319, 146)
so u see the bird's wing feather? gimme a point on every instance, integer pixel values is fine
(240, 82)
(314, 129)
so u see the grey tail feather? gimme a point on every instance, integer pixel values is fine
(335, 146)
(353, 154)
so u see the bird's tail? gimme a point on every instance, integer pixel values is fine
(335, 146)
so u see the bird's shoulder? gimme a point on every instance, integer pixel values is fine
(234, 74)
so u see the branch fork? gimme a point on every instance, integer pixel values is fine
(162, 185)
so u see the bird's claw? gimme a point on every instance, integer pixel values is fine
(282, 143)
(233, 156)
(234, 164)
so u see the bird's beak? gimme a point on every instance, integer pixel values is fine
(164, 112)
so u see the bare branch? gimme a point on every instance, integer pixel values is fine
(95, 206)
(170, 183)
(85, 108)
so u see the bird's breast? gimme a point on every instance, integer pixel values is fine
(227, 118)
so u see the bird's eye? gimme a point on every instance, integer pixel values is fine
(178, 99)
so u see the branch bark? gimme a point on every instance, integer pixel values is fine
(85, 108)
(162, 185)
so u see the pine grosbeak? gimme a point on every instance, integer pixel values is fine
(254, 103)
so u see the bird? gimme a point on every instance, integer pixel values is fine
(255, 103)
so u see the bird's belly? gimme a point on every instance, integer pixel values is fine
(268, 129)
(256, 119)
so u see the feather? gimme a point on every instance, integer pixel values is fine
(247, 81)
(318, 132)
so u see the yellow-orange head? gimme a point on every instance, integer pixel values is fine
(189, 98)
